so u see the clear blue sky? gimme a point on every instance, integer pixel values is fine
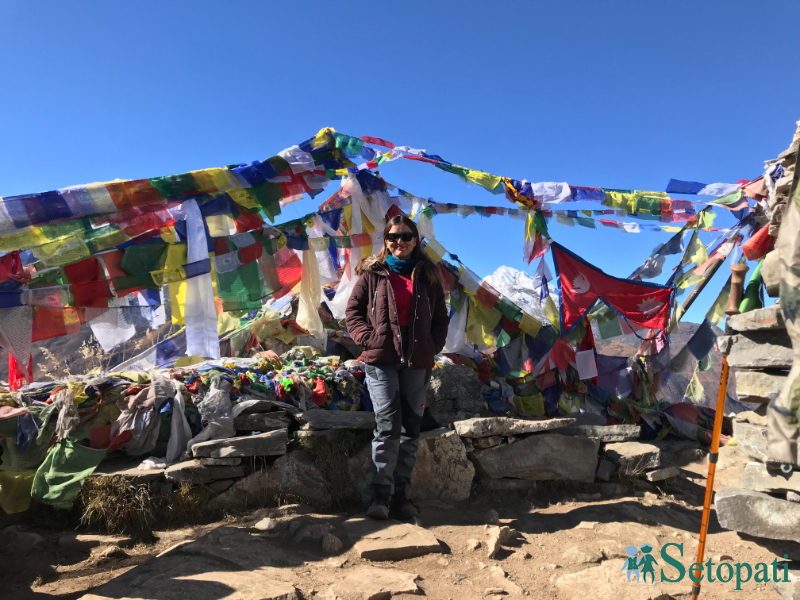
(611, 94)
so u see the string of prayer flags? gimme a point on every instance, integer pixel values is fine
(676, 186)
(581, 285)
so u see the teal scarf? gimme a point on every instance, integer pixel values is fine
(401, 267)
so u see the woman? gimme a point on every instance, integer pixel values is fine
(397, 314)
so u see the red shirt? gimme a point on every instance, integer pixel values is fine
(403, 289)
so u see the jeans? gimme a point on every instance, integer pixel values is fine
(398, 399)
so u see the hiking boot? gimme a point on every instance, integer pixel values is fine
(379, 505)
(402, 508)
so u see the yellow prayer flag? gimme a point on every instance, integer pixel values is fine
(530, 325)
(485, 180)
(552, 314)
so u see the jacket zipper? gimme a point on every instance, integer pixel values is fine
(411, 333)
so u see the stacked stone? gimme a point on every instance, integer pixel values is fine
(760, 351)
(767, 502)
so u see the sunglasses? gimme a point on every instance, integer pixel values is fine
(396, 237)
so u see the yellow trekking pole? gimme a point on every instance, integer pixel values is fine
(712, 467)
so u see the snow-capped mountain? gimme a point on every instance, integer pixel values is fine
(522, 289)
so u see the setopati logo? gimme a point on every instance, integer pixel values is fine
(644, 571)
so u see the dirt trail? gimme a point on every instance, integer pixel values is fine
(570, 546)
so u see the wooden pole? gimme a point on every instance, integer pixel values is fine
(712, 467)
(710, 272)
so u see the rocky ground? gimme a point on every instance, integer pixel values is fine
(565, 544)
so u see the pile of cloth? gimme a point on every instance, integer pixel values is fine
(53, 435)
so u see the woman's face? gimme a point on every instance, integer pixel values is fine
(399, 247)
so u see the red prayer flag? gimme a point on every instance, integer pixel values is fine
(759, 244)
(582, 285)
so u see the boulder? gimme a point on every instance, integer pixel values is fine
(389, 540)
(220, 485)
(361, 471)
(605, 469)
(758, 387)
(540, 457)
(262, 421)
(336, 419)
(192, 471)
(504, 426)
(758, 319)
(757, 514)
(605, 433)
(364, 582)
(788, 590)
(454, 393)
(15, 540)
(770, 349)
(756, 477)
(293, 475)
(442, 470)
(633, 458)
(751, 439)
(272, 443)
(250, 407)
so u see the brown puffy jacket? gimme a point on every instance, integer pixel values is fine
(372, 317)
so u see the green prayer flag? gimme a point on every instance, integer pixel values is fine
(59, 479)
(694, 391)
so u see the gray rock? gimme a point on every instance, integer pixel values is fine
(272, 443)
(221, 462)
(389, 540)
(363, 582)
(361, 472)
(605, 469)
(129, 471)
(220, 485)
(455, 393)
(758, 319)
(663, 474)
(508, 484)
(442, 470)
(330, 543)
(788, 590)
(751, 439)
(771, 275)
(192, 471)
(759, 350)
(336, 419)
(290, 408)
(633, 458)
(294, 475)
(578, 555)
(266, 524)
(491, 517)
(540, 457)
(487, 442)
(756, 477)
(262, 421)
(758, 387)
(226, 562)
(605, 433)
(757, 514)
(792, 496)
(504, 426)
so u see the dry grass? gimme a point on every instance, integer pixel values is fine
(115, 505)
